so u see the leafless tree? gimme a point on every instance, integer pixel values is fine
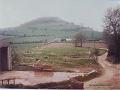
(112, 31)
(79, 39)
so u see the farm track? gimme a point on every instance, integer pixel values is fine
(111, 76)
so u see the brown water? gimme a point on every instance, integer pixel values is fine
(32, 78)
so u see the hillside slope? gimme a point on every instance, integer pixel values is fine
(49, 28)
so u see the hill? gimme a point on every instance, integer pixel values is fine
(47, 29)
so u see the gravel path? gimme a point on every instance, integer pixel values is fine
(110, 79)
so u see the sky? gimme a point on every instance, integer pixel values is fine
(89, 13)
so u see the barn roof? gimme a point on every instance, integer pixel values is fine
(4, 44)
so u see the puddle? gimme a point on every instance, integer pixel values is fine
(32, 78)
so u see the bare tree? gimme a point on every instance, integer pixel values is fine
(79, 39)
(112, 31)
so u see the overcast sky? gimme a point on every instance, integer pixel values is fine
(87, 12)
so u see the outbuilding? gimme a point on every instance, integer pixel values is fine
(5, 57)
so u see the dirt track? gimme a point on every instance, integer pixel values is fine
(111, 76)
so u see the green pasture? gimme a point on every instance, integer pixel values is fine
(29, 39)
(59, 58)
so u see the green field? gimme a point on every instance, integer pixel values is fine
(28, 46)
(62, 59)
(29, 39)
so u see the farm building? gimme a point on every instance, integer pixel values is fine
(5, 57)
(62, 40)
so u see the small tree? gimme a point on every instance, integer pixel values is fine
(112, 31)
(79, 39)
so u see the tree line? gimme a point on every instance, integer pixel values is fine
(112, 32)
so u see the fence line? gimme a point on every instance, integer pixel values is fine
(7, 81)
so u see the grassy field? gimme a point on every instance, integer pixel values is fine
(61, 59)
(26, 46)
(29, 39)
(2, 37)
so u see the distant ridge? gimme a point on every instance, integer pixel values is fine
(49, 28)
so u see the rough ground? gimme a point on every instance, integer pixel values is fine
(86, 44)
(111, 76)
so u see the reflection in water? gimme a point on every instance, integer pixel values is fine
(32, 78)
(43, 74)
